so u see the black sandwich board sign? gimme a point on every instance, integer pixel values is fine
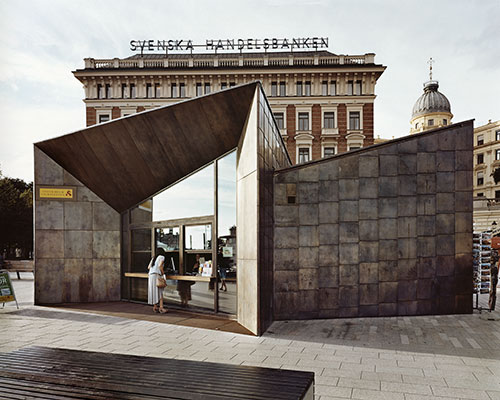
(6, 289)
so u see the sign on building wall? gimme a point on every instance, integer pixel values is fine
(56, 192)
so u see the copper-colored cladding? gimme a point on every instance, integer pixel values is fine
(127, 160)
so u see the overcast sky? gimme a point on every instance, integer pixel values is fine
(43, 41)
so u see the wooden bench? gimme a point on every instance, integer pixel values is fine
(37, 372)
(18, 266)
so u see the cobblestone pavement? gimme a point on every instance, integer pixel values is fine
(408, 358)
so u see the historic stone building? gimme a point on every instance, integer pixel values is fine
(486, 161)
(322, 102)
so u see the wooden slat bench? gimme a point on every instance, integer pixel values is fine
(42, 372)
(18, 266)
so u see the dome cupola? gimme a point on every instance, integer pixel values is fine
(432, 109)
(431, 101)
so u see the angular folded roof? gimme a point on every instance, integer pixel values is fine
(127, 160)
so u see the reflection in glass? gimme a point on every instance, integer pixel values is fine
(168, 240)
(192, 197)
(141, 213)
(226, 242)
(141, 250)
(198, 237)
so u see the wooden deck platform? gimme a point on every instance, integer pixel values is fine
(48, 373)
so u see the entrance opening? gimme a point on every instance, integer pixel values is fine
(194, 222)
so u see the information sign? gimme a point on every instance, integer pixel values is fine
(56, 193)
(6, 290)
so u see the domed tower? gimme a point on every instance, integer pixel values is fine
(432, 109)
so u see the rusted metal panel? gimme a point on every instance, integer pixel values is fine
(130, 159)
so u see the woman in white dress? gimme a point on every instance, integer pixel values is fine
(155, 294)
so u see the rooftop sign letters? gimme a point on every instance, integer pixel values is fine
(216, 45)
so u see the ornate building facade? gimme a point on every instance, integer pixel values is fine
(486, 191)
(322, 102)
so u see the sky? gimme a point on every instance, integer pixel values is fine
(42, 41)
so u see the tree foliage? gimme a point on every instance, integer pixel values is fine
(16, 215)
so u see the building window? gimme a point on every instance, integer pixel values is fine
(199, 89)
(358, 88)
(324, 88)
(274, 88)
(282, 89)
(232, 84)
(223, 85)
(182, 90)
(354, 120)
(307, 89)
(133, 91)
(497, 194)
(480, 158)
(354, 147)
(124, 91)
(100, 91)
(497, 154)
(480, 140)
(445, 122)
(157, 90)
(497, 135)
(416, 125)
(149, 90)
(173, 90)
(480, 178)
(329, 120)
(303, 154)
(350, 88)
(280, 121)
(333, 88)
(303, 121)
(430, 122)
(299, 88)
(207, 88)
(103, 118)
(108, 91)
(328, 151)
(480, 195)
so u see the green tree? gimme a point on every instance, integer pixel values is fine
(16, 215)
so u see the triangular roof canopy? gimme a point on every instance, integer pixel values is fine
(127, 160)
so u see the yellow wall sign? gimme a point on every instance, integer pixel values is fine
(56, 193)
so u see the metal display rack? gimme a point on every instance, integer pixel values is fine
(482, 259)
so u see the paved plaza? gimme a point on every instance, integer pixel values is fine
(408, 358)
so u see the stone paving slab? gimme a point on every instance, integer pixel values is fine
(362, 358)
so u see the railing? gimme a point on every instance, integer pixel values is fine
(153, 63)
(253, 62)
(256, 61)
(278, 62)
(303, 61)
(203, 63)
(486, 203)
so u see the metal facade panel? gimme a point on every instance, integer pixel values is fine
(127, 160)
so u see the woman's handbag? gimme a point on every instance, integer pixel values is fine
(161, 282)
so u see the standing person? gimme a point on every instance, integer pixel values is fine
(222, 270)
(493, 286)
(155, 294)
(184, 287)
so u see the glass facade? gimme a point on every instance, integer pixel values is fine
(181, 221)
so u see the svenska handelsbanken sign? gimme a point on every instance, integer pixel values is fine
(230, 44)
